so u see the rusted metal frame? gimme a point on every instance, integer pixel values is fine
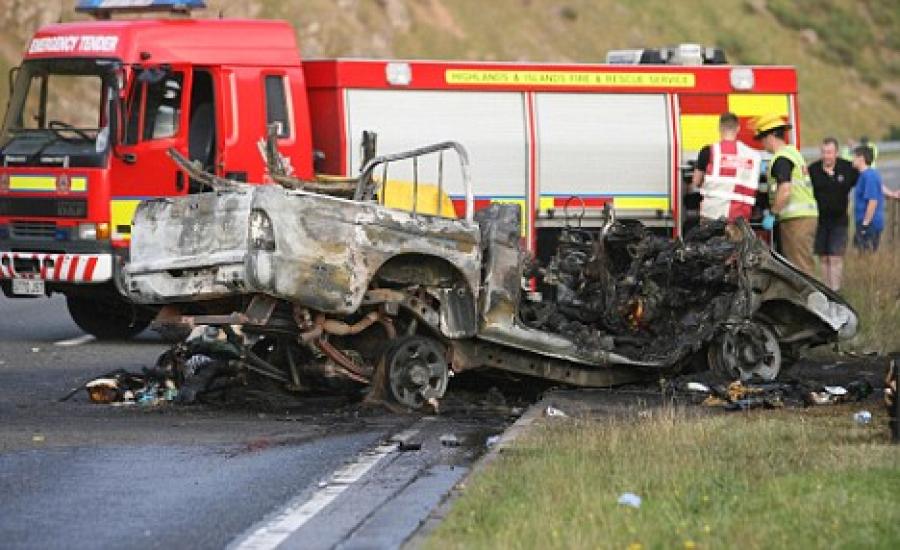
(340, 328)
(440, 194)
(364, 189)
(415, 205)
(255, 363)
(251, 361)
(353, 370)
(257, 313)
(292, 367)
(196, 172)
(389, 297)
(467, 355)
(316, 335)
(384, 182)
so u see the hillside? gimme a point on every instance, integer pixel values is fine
(847, 51)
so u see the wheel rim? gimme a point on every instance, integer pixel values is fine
(748, 354)
(417, 371)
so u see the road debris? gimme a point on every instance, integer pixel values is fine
(553, 412)
(697, 386)
(862, 417)
(149, 388)
(450, 440)
(408, 446)
(739, 395)
(629, 499)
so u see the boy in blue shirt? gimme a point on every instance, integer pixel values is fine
(868, 202)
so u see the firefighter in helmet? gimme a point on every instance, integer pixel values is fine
(792, 203)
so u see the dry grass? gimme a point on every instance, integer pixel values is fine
(771, 480)
(872, 286)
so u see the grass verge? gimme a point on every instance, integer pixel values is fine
(872, 286)
(771, 480)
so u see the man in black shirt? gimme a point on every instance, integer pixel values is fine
(832, 179)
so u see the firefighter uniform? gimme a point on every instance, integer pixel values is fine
(798, 219)
(799, 216)
(731, 181)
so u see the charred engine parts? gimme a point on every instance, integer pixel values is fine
(651, 297)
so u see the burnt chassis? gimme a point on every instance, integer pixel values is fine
(312, 287)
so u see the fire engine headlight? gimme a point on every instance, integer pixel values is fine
(262, 235)
(93, 231)
(742, 78)
(87, 231)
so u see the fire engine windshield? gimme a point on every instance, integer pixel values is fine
(60, 108)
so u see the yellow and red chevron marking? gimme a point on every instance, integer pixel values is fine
(73, 268)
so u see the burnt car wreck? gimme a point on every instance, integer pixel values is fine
(326, 285)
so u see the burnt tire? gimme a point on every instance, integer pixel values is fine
(416, 371)
(753, 355)
(108, 316)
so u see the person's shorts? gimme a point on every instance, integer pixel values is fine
(831, 239)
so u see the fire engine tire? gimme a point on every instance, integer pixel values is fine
(108, 316)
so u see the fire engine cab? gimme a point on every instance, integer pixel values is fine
(96, 104)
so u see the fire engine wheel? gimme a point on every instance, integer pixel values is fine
(751, 353)
(417, 371)
(108, 316)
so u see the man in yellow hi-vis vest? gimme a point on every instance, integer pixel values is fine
(791, 200)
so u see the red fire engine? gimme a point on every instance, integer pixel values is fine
(95, 105)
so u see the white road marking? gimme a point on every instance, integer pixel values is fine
(83, 339)
(295, 514)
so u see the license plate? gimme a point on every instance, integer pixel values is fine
(28, 287)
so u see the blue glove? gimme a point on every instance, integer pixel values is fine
(768, 222)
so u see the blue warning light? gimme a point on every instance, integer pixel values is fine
(108, 6)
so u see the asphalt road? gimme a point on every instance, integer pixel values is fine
(316, 475)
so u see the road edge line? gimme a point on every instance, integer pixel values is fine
(416, 541)
(77, 341)
(278, 526)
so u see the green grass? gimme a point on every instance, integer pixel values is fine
(872, 286)
(775, 480)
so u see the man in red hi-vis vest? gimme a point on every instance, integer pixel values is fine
(727, 175)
